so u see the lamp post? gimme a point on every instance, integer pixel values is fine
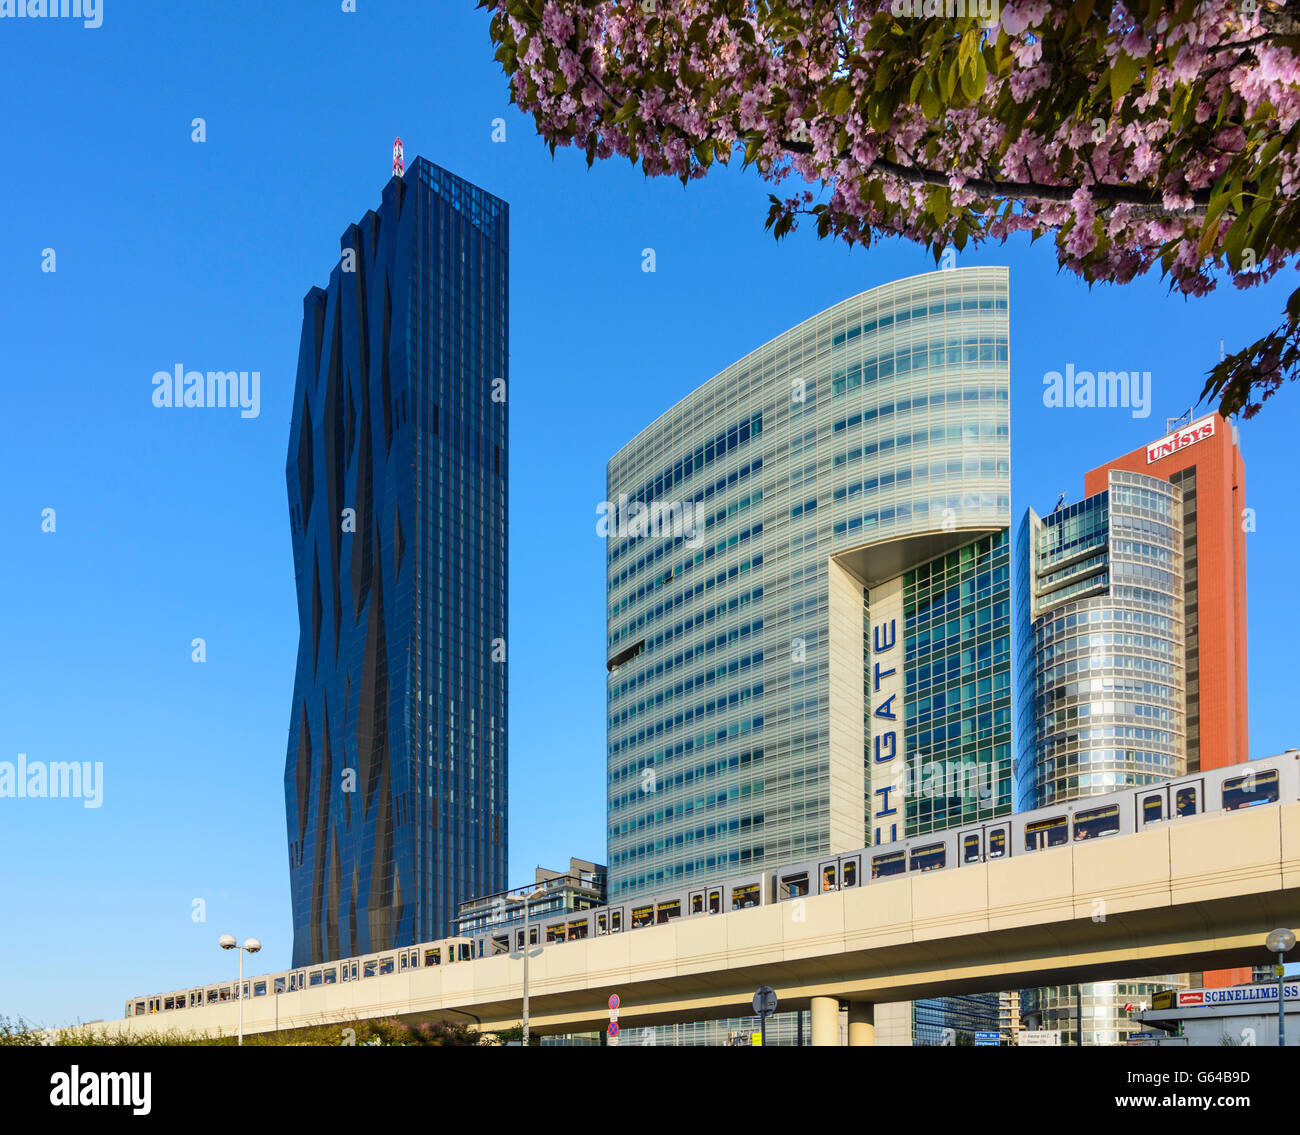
(251, 946)
(525, 900)
(1279, 942)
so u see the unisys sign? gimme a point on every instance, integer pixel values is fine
(1180, 439)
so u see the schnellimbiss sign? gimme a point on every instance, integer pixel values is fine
(1261, 993)
(1180, 439)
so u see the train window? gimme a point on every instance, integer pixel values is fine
(715, 902)
(1047, 833)
(615, 921)
(259, 989)
(746, 896)
(642, 916)
(279, 982)
(1185, 801)
(330, 975)
(970, 847)
(385, 965)
(578, 930)
(849, 873)
(433, 957)
(602, 925)
(668, 910)
(369, 969)
(533, 936)
(997, 843)
(464, 952)
(170, 1003)
(225, 993)
(892, 863)
(697, 903)
(1096, 822)
(500, 943)
(555, 933)
(1153, 809)
(794, 886)
(931, 857)
(1249, 790)
(401, 962)
(314, 979)
(828, 878)
(139, 1008)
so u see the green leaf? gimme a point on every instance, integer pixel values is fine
(1122, 73)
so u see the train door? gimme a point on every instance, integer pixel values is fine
(1188, 798)
(828, 876)
(850, 871)
(997, 841)
(1152, 806)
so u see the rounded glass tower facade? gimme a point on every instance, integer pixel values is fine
(746, 528)
(1102, 679)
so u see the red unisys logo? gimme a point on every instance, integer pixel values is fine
(1180, 439)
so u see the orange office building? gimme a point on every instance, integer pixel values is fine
(1203, 459)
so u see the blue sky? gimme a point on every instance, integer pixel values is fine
(173, 525)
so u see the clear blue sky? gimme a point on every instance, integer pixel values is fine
(173, 524)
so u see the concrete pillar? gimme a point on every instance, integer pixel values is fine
(862, 1023)
(825, 1022)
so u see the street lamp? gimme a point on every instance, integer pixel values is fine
(1279, 942)
(251, 946)
(524, 899)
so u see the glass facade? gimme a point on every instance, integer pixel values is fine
(958, 616)
(749, 524)
(1101, 677)
(882, 419)
(395, 782)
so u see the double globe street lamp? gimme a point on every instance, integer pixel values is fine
(250, 946)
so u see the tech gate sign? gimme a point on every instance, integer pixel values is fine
(885, 700)
(1180, 439)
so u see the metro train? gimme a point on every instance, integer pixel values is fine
(1267, 781)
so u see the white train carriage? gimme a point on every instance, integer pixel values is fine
(1256, 783)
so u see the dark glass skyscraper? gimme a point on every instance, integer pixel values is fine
(395, 782)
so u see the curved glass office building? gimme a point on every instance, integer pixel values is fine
(1101, 677)
(848, 479)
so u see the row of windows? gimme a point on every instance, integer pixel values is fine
(729, 481)
(986, 352)
(658, 582)
(951, 304)
(736, 539)
(704, 455)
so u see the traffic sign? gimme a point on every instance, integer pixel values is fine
(765, 1001)
(987, 1040)
(612, 1031)
(613, 1002)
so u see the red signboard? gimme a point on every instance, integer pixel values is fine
(1180, 439)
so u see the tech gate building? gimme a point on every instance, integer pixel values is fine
(395, 781)
(824, 661)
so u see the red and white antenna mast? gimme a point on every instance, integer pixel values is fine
(399, 165)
